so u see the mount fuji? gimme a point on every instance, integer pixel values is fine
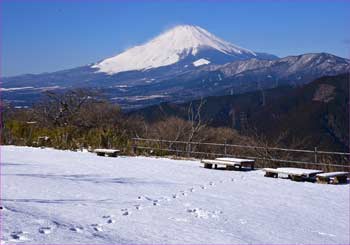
(181, 64)
(185, 44)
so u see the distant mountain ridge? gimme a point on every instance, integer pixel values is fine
(181, 64)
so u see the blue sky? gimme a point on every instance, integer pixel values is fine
(45, 36)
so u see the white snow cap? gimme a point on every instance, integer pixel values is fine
(166, 49)
(201, 62)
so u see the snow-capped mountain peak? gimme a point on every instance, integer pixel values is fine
(189, 37)
(172, 46)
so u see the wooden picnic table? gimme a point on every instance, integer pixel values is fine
(296, 174)
(332, 178)
(107, 152)
(238, 161)
(228, 162)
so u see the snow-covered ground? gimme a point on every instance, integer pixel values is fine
(52, 196)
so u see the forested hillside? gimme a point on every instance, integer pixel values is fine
(316, 113)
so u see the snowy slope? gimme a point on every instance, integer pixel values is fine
(168, 48)
(53, 196)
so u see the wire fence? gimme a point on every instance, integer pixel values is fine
(264, 156)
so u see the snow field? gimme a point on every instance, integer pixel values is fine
(52, 196)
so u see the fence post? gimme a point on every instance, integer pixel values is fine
(225, 148)
(176, 149)
(161, 147)
(315, 155)
(134, 148)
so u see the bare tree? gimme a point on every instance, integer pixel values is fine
(195, 120)
(59, 109)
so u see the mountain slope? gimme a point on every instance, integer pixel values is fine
(317, 112)
(241, 77)
(181, 43)
(296, 67)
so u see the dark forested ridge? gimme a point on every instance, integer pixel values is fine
(316, 113)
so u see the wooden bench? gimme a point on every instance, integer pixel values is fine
(332, 178)
(296, 174)
(238, 162)
(107, 152)
(229, 163)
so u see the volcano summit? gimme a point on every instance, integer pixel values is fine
(185, 44)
